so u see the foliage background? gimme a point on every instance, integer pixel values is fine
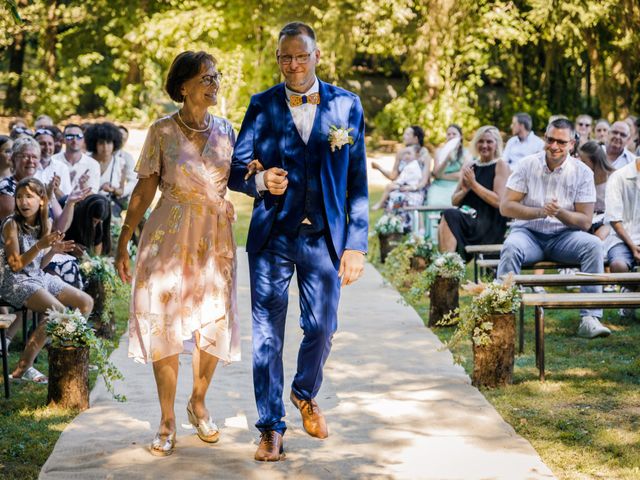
(427, 62)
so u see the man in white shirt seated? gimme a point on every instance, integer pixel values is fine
(524, 142)
(51, 170)
(83, 170)
(616, 149)
(129, 176)
(623, 213)
(552, 196)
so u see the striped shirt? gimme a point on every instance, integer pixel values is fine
(570, 183)
(623, 203)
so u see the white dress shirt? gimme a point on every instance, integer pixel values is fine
(625, 158)
(303, 118)
(85, 164)
(570, 183)
(622, 200)
(128, 172)
(517, 149)
(55, 167)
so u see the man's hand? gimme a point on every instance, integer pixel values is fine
(275, 179)
(83, 181)
(551, 209)
(78, 195)
(351, 266)
(636, 253)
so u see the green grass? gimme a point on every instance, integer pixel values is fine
(584, 421)
(28, 428)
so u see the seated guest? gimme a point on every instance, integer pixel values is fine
(51, 170)
(584, 124)
(523, 143)
(632, 141)
(446, 171)
(29, 245)
(404, 190)
(18, 122)
(602, 131)
(413, 135)
(58, 138)
(91, 226)
(616, 145)
(480, 190)
(5, 156)
(128, 163)
(43, 121)
(593, 156)
(102, 141)
(84, 171)
(623, 213)
(552, 196)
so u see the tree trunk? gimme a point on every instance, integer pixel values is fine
(95, 289)
(419, 264)
(69, 377)
(49, 59)
(493, 363)
(13, 100)
(444, 298)
(387, 243)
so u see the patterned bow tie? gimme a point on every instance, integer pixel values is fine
(297, 100)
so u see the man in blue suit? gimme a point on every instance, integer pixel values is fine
(310, 215)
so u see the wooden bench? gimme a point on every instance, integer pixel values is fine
(540, 301)
(561, 280)
(6, 319)
(423, 209)
(477, 250)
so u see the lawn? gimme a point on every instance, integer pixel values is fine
(584, 421)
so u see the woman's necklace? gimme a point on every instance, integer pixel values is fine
(193, 129)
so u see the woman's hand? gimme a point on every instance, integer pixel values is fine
(468, 177)
(121, 263)
(49, 239)
(63, 246)
(254, 167)
(78, 195)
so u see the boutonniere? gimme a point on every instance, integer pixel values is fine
(339, 137)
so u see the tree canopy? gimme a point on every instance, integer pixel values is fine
(425, 62)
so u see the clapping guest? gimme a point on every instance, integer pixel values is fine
(5, 156)
(43, 121)
(29, 245)
(103, 140)
(446, 172)
(593, 156)
(50, 170)
(478, 194)
(616, 145)
(84, 171)
(602, 131)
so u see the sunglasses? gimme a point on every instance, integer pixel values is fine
(71, 136)
(584, 124)
(21, 130)
(44, 131)
(561, 143)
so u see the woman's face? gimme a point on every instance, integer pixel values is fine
(408, 137)
(5, 153)
(602, 132)
(486, 147)
(28, 202)
(26, 162)
(452, 133)
(104, 148)
(586, 160)
(202, 90)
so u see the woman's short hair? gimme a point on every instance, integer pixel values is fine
(23, 143)
(105, 132)
(184, 67)
(419, 133)
(494, 132)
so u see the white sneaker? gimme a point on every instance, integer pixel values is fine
(539, 289)
(590, 327)
(8, 343)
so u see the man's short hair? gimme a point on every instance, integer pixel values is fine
(294, 29)
(524, 119)
(71, 125)
(562, 124)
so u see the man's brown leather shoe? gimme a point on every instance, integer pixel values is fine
(312, 418)
(270, 448)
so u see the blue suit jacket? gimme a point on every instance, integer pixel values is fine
(343, 173)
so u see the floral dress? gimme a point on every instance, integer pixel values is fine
(185, 273)
(17, 287)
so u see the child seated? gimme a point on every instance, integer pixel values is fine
(404, 191)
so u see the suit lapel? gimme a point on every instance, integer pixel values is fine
(320, 131)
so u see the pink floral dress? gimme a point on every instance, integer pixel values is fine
(185, 273)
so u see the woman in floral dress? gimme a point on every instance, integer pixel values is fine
(184, 280)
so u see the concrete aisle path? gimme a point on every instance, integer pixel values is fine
(396, 408)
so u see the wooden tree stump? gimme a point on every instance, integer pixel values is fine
(69, 377)
(95, 289)
(444, 298)
(387, 243)
(493, 363)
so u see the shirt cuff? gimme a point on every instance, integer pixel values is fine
(260, 185)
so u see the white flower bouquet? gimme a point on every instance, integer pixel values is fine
(388, 224)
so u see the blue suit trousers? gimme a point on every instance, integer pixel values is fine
(271, 270)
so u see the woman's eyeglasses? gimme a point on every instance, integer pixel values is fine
(208, 80)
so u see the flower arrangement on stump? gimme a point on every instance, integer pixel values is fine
(389, 229)
(407, 259)
(71, 341)
(490, 322)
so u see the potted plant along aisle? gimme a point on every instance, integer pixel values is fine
(442, 280)
(389, 229)
(71, 341)
(490, 322)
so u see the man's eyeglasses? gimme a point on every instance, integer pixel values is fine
(618, 133)
(287, 59)
(208, 80)
(26, 156)
(71, 136)
(561, 143)
(580, 124)
(22, 130)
